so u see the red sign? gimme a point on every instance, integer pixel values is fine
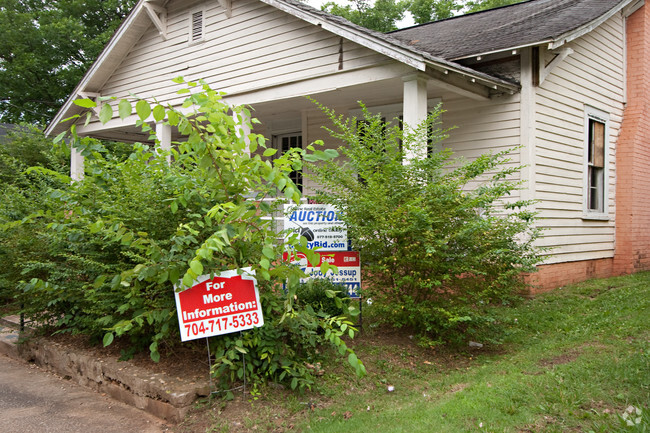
(347, 263)
(221, 305)
(336, 258)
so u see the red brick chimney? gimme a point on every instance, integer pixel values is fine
(633, 153)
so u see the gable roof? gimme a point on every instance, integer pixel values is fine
(530, 23)
(138, 22)
(429, 46)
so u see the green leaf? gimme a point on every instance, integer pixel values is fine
(331, 153)
(106, 113)
(270, 152)
(85, 103)
(197, 267)
(124, 109)
(178, 80)
(143, 109)
(158, 113)
(108, 338)
(99, 281)
(268, 252)
(353, 360)
(59, 137)
(173, 118)
(188, 280)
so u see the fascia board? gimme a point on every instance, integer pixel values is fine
(586, 28)
(412, 58)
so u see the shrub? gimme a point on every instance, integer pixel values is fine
(118, 242)
(23, 190)
(438, 238)
(323, 296)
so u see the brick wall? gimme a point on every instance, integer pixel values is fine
(549, 277)
(633, 154)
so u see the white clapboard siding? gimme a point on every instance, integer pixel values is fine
(482, 127)
(259, 46)
(593, 75)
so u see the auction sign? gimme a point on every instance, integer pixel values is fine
(319, 224)
(347, 263)
(221, 305)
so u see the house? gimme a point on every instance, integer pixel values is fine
(565, 79)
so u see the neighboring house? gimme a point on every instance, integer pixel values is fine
(566, 79)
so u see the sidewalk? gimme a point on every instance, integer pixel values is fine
(160, 394)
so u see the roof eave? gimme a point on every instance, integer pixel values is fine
(567, 37)
(503, 50)
(415, 58)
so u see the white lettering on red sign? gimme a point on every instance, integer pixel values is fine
(221, 305)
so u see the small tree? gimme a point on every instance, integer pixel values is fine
(438, 240)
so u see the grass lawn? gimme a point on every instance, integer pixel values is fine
(571, 361)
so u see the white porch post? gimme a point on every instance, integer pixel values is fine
(415, 111)
(76, 164)
(164, 135)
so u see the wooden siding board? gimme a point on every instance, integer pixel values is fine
(592, 75)
(259, 46)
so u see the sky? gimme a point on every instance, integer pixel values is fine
(406, 22)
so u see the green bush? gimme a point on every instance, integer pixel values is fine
(23, 191)
(323, 297)
(114, 246)
(439, 238)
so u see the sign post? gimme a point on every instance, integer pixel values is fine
(213, 306)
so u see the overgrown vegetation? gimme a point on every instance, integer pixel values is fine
(23, 191)
(438, 241)
(573, 360)
(107, 251)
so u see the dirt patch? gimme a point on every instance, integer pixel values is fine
(570, 356)
(458, 387)
(565, 358)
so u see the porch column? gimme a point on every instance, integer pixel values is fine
(76, 164)
(415, 111)
(164, 135)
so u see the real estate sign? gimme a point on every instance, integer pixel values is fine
(347, 263)
(220, 305)
(319, 224)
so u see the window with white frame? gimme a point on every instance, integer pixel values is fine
(283, 143)
(596, 163)
(197, 26)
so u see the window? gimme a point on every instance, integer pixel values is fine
(595, 170)
(283, 144)
(197, 27)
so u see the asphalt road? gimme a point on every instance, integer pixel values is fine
(34, 400)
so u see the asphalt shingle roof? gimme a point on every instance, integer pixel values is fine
(521, 24)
